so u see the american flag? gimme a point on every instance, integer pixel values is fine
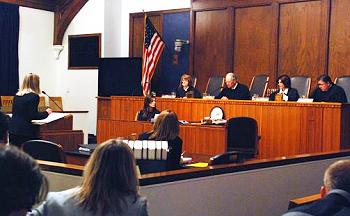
(152, 49)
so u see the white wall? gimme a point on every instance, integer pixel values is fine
(79, 87)
(35, 47)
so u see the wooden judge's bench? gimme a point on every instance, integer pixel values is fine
(286, 128)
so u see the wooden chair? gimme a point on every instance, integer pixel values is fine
(6, 104)
(58, 101)
(44, 150)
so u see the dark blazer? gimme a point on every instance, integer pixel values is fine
(333, 94)
(24, 110)
(180, 92)
(174, 154)
(292, 94)
(241, 92)
(145, 115)
(337, 202)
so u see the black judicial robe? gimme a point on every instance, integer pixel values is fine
(241, 92)
(333, 94)
(180, 92)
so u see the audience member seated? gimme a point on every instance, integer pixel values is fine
(327, 91)
(149, 109)
(21, 182)
(186, 89)
(335, 194)
(4, 126)
(110, 186)
(166, 128)
(284, 85)
(233, 89)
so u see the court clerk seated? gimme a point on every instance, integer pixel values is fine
(233, 89)
(335, 193)
(327, 91)
(284, 85)
(186, 88)
(149, 109)
(4, 127)
(166, 128)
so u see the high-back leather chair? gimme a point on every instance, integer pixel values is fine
(214, 85)
(44, 150)
(242, 136)
(302, 84)
(258, 85)
(344, 82)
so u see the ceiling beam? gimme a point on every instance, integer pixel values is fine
(48, 5)
(64, 14)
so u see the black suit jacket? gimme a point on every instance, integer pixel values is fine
(292, 94)
(24, 110)
(336, 203)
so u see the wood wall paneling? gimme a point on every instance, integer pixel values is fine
(302, 39)
(254, 39)
(339, 49)
(210, 48)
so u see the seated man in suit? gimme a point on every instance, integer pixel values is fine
(335, 193)
(4, 127)
(233, 89)
(327, 91)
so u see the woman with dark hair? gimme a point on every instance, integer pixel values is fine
(110, 186)
(327, 91)
(166, 128)
(149, 109)
(22, 184)
(186, 88)
(24, 110)
(284, 88)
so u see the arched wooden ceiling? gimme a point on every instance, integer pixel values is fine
(65, 11)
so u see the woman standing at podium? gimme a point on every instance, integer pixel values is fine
(24, 110)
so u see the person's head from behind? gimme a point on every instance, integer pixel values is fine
(231, 80)
(186, 81)
(324, 82)
(31, 83)
(21, 182)
(337, 176)
(283, 82)
(166, 126)
(109, 175)
(149, 102)
(4, 125)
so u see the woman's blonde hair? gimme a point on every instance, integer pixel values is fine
(31, 83)
(109, 176)
(166, 126)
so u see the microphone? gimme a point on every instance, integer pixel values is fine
(52, 100)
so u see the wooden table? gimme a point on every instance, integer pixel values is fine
(286, 128)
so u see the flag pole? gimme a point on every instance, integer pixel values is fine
(143, 57)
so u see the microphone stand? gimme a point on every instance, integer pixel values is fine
(52, 100)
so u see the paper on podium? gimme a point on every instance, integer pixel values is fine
(52, 117)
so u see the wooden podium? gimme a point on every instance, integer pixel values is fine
(61, 132)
